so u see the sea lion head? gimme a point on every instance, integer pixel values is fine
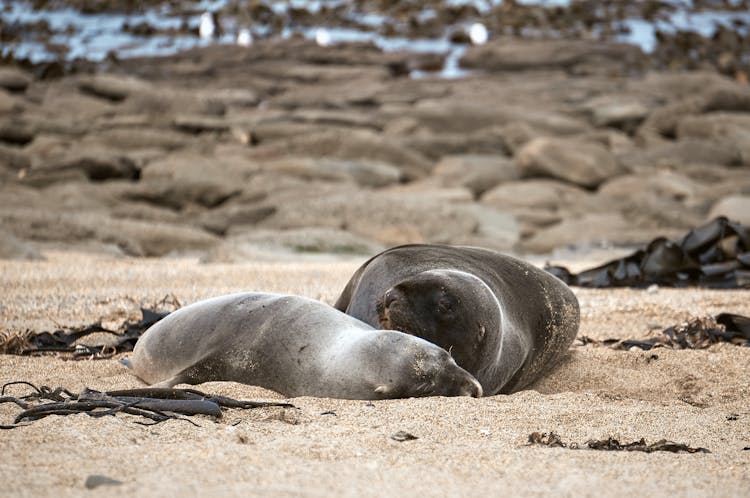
(453, 309)
(403, 366)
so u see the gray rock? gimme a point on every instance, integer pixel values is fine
(291, 244)
(94, 481)
(540, 194)
(591, 229)
(388, 217)
(234, 217)
(495, 229)
(13, 248)
(8, 103)
(14, 80)
(16, 131)
(179, 193)
(622, 112)
(13, 158)
(363, 172)
(113, 87)
(465, 117)
(736, 208)
(200, 124)
(350, 145)
(96, 163)
(348, 119)
(681, 153)
(433, 145)
(148, 238)
(507, 54)
(579, 162)
(655, 199)
(478, 173)
(231, 97)
(142, 138)
(730, 128)
(721, 95)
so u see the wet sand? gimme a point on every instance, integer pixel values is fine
(465, 446)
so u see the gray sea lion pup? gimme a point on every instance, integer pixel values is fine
(504, 320)
(296, 346)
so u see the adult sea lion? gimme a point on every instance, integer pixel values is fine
(504, 320)
(296, 346)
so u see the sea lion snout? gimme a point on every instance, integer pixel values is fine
(472, 388)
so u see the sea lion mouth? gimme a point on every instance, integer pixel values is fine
(472, 388)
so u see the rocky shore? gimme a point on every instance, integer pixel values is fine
(234, 152)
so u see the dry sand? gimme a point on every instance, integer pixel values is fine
(466, 447)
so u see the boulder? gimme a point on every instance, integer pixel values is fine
(113, 87)
(487, 141)
(537, 194)
(350, 145)
(13, 248)
(230, 97)
(211, 166)
(615, 111)
(735, 207)
(592, 229)
(730, 128)
(292, 244)
(234, 217)
(467, 117)
(510, 54)
(660, 198)
(96, 163)
(14, 80)
(722, 95)
(200, 124)
(362, 172)
(141, 138)
(478, 173)
(681, 153)
(16, 131)
(9, 104)
(13, 158)
(388, 217)
(180, 193)
(579, 162)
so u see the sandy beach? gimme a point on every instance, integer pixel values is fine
(327, 447)
(148, 161)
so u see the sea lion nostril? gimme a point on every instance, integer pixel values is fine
(472, 388)
(477, 392)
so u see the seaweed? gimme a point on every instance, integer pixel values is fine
(553, 440)
(66, 339)
(696, 333)
(715, 255)
(154, 404)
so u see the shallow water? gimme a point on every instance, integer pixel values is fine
(93, 36)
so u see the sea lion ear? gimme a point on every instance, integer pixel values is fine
(481, 333)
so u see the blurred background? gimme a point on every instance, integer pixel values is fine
(238, 130)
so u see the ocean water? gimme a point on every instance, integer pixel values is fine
(94, 36)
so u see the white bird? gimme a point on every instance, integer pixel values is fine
(322, 37)
(478, 34)
(244, 38)
(207, 27)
